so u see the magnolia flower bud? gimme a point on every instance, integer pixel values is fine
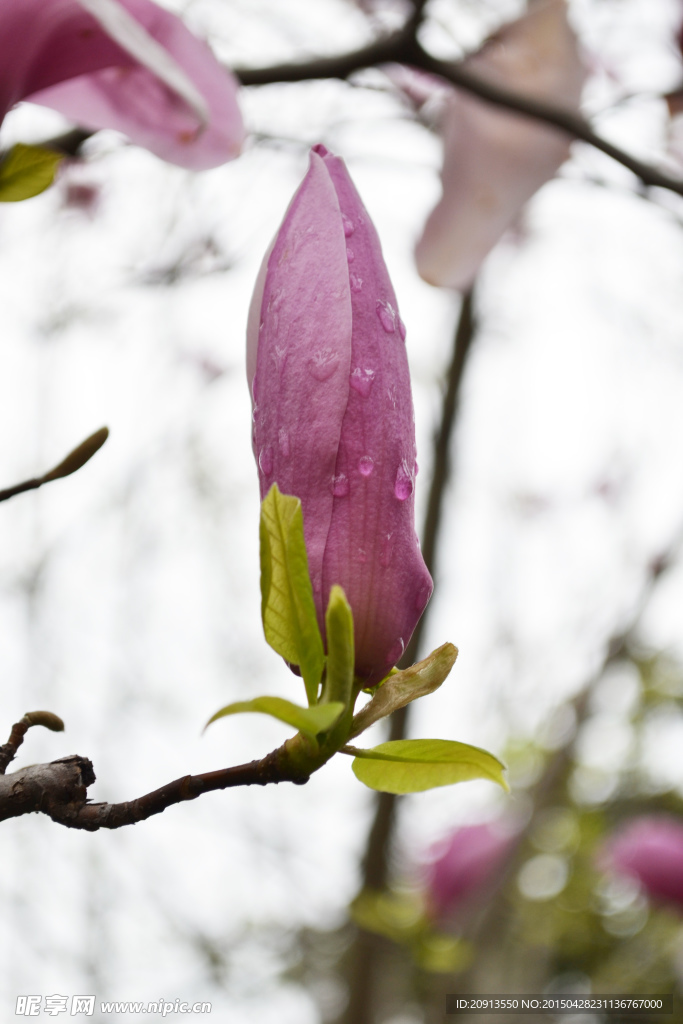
(462, 864)
(650, 849)
(495, 160)
(123, 64)
(333, 414)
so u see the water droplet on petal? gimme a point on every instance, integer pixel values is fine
(340, 486)
(392, 393)
(401, 328)
(396, 652)
(356, 282)
(279, 354)
(265, 460)
(361, 380)
(350, 254)
(362, 557)
(386, 551)
(365, 465)
(323, 363)
(348, 225)
(403, 487)
(387, 316)
(422, 597)
(276, 299)
(283, 442)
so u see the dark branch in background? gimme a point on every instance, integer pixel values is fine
(367, 951)
(403, 48)
(73, 462)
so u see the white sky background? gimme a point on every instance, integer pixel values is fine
(129, 593)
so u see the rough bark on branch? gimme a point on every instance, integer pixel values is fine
(59, 789)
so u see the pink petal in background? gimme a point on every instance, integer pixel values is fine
(494, 160)
(56, 53)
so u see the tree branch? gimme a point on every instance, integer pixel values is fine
(403, 48)
(59, 789)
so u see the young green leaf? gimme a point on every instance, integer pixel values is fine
(411, 766)
(27, 171)
(340, 648)
(310, 721)
(287, 607)
(400, 688)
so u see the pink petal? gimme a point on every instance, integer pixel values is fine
(300, 387)
(57, 54)
(494, 160)
(372, 548)
(463, 864)
(650, 849)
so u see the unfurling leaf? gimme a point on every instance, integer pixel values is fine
(404, 686)
(340, 648)
(411, 766)
(310, 721)
(27, 171)
(287, 607)
(78, 457)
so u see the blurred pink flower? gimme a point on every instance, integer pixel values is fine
(649, 849)
(462, 865)
(123, 64)
(495, 160)
(333, 413)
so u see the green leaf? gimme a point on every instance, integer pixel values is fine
(440, 953)
(287, 607)
(402, 687)
(307, 720)
(396, 916)
(340, 648)
(410, 766)
(27, 171)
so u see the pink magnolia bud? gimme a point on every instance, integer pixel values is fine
(495, 160)
(333, 414)
(90, 60)
(650, 849)
(462, 864)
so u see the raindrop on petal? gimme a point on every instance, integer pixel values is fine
(340, 486)
(348, 225)
(403, 486)
(386, 551)
(265, 460)
(387, 316)
(422, 597)
(356, 282)
(365, 465)
(350, 254)
(361, 380)
(323, 363)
